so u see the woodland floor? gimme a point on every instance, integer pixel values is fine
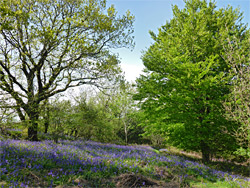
(93, 164)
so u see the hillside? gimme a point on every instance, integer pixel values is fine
(93, 164)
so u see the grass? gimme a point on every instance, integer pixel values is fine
(92, 164)
(216, 163)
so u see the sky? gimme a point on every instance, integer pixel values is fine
(151, 15)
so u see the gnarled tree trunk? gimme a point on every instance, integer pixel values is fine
(33, 114)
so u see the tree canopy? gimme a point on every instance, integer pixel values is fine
(187, 78)
(237, 50)
(49, 46)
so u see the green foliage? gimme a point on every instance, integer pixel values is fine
(95, 120)
(110, 117)
(237, 49)
(83, 119)
(50, 46)
(186, 78)
(123, 111)
(245, 152)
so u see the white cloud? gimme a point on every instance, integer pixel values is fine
(132, 71)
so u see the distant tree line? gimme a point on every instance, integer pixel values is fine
(105, 117)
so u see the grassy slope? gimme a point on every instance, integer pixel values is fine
(92, 164)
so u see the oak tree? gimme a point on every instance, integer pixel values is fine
(48, 46)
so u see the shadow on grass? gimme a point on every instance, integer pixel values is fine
(232, 167)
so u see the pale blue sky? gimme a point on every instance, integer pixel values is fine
(150, 15)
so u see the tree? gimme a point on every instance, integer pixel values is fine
(109, 113)
(45, 109)
(49, 46)
(123, 107)
(237, 105)
(110, 116)
(186, 78)
(6, 114)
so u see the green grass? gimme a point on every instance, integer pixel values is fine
(220, 184)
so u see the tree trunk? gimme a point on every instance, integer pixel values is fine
(47, 117)
(125, 132)
(32, 132)
(205, 150)
(46, 121)
(33, 126)
(46, 126)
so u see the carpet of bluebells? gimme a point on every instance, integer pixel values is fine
(81, 163)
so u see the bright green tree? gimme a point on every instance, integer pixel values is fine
(49, 46)
(186, 78)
